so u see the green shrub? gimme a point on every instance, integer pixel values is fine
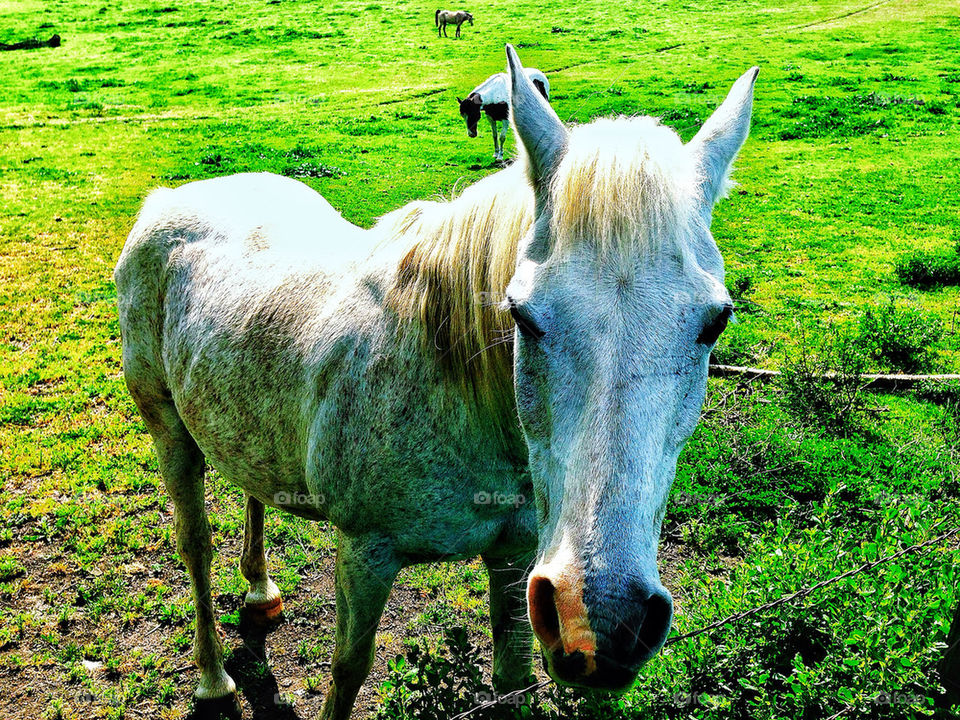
(741, 344)
(925, 269)
(939, 393)
(824, 390)
(947, 422)
(899, 338)
(439, 685)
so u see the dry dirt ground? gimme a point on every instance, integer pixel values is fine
(265, 662)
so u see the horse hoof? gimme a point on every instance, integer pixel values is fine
(226, 707)
(266, 613)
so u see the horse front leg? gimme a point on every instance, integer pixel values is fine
(503, 136)
(263, 599)
(366, 569)
(512, 636)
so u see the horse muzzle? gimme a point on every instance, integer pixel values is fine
(602, 646)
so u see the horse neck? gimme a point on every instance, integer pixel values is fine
(449, 282)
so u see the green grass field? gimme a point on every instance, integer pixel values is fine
(851, 165)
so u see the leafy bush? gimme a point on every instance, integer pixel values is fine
(947, 396)
(741, 344)
(925, 269)
(825, 390)
(899, 338)
(425, 685)
(437, 686)
(939, 393)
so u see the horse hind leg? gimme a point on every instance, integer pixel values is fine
(263, 599)
(182, 466)
(497, 147)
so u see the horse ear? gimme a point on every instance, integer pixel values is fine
(543, 135)
(722, 136)
(459, 101)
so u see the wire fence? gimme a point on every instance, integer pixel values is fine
(736, 617)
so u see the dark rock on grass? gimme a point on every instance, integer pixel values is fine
(32, 44)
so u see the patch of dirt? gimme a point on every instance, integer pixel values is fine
(267, 664)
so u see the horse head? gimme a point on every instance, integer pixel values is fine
(470, 112)
(618, 297)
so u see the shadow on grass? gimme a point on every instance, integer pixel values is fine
(254, 678)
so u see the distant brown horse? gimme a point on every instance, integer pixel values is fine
(442, 18)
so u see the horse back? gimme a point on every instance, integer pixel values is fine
(495, 89)
(218, 285)
(296, 382)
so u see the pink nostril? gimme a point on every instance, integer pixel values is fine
(543, 612)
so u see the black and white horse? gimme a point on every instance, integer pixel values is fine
(492, 97)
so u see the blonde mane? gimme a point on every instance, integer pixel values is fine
(625, 185)
(451, 281)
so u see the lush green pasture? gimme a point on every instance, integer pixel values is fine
(852, 163)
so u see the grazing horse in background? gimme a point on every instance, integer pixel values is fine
(492, 97)
(364, 377)
(442, 18)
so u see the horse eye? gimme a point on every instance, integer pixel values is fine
(527, 327)
(709, 334)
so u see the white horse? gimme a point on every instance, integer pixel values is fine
(388, 395)
(492, 97)
(442, 18)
